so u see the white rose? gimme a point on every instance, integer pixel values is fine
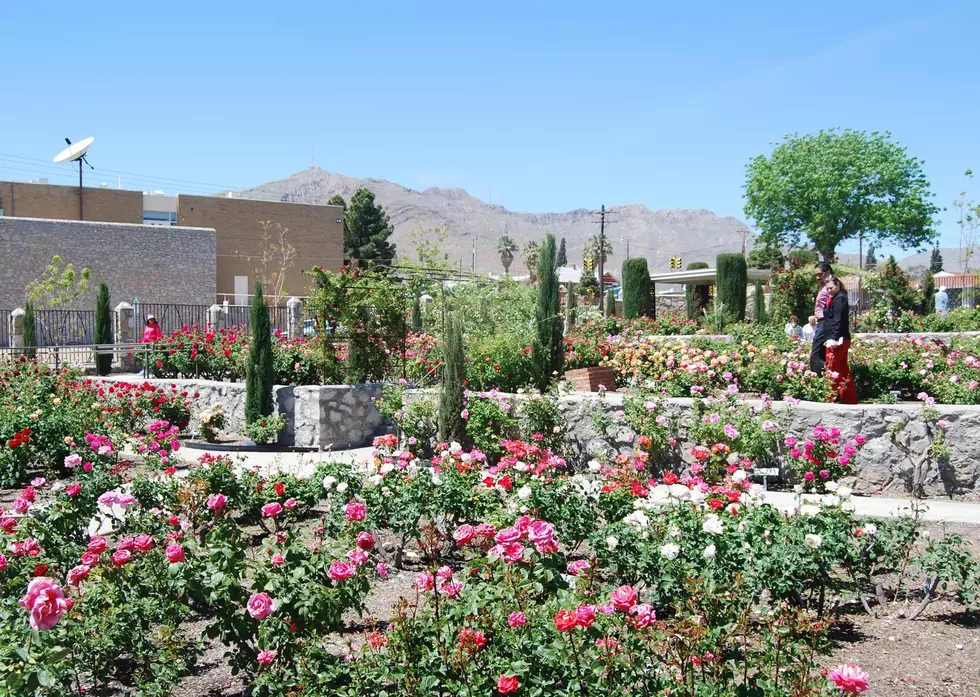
(386, 468)
(436, 479)
(831, 486)
(709, 552)
(697, 496)
(739, 476)
(328, 482)
(524, 493)
(612, 542)
(670, 551)
(465, 457)
(638, 519)
(521, 466)
(871, 529)
(342, 487)
(594, 466)
(375, 479)
(813, 541)
(844, 491)
(809, 510)
(680, 491)
(455, 448)
(712, 524)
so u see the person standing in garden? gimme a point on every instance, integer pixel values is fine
(152, 332)
(837, 329)
(942, 301)
(818, 353)
(809, 328)
(793, 328)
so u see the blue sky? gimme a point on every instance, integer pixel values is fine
(552, 106)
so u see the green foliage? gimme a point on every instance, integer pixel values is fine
(793, 293)
(265, 430)
(591, 252)
(802, 257)
(759, 303)
(833, 185)
(367, 230)
(696, 297)
(548, 353)
(562, 260)
(610, 303)
(892, 289)
(103, 330)
(29, 329)
(530, 256)
(870, 261)
(928, 291)
(452, 427)
(936, 261)
(58, 286)
(766, 255)
(636, 287)
(588, 286)
(732, 285)
(259, 369)
(506, 246)
(571, 306)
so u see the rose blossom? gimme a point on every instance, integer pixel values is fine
(73, 490)
(260, 606)
(77, 574)
(643, 616)
(121, 557)
(565, 621)
(578, 566)
(278, 559)
(382, 570)
(585, 615)
(507, 684)
(355, 511)
(45, 602)
(507, 535)
(357, 557)
(516, 619)
(451, 589)
(271, 510)
(217, 502)
(541, 534)
(340, 571)
(175, 554)
(849, 678)
(90, 559)
(143, 543)
(267, 656)
(464, 534)
(365, 541)
(624, 597)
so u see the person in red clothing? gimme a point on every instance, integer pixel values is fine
(837, 330)
(818, 357)
(152, 331)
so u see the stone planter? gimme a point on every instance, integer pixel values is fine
(590, 379)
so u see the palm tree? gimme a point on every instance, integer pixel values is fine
(530, 255)
(590, 253)
(506, 248)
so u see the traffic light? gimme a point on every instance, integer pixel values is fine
(675, 262)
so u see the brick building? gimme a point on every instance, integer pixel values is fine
(316, 232)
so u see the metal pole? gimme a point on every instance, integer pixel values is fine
(860, 266)
(602, 247)
(81, 215)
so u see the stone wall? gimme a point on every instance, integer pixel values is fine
(327, 417)
(160, 264)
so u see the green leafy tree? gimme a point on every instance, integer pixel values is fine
(530, 256)
(591, 252)
(610, 303)
(506, 246)
(452, 426)
(936, 260)
(103, 330)
(29, 335)
(766, 255)
(831, 186)
(732, 285)
(562, 260)
(259, 370)
(696, 297)
(588, 287)
(759, 303)
(802, 257)
(548, 348)
(893, 289)
(928, 290)
(870, 261)
(636, 287)
(367, 230)
(571, 305)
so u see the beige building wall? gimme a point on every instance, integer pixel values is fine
(54, 202)
(317, 233)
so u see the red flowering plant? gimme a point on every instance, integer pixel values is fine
(823, 458)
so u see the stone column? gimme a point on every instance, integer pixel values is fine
(124, 333)
(15, 323)
(294, 318)
(215, 314)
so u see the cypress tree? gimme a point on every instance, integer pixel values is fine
(636, 287)
(103, 330)
(452, 427)
(562, 260)
(610, 303)
(759, 303)
(928, 290)
(29, 333)
(548, 351)
(696, 296)
(259, 373)
(571, 306)
(732, 285)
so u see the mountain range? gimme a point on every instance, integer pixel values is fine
(694, 235)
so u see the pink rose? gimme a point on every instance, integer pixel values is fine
(382, 570)
(271, 510)
(77, 574)
(126, 543)
(443, 573)
(97, 544)
(507, 535)
(278, 559)
(541, 533)
(21, 506)
(73, 490)
(217, 502)
(578, 566)
(809, 476)
(121, 557)
(485, 530)
(355, 511)
(624, 597)
(516, 619)
(849, 678)
(291, 503)
(3, 562)
(513, 552)
(585, 615)
(45, 602)
(464, 534)
(260, 606)
(451, 589)
(860, 440)
(365, 541)
(90, 559)
(340, 571)
(143, 543)
(424, 582)
(175, 554)
(357, 557)
(267, 656)
(643, 616)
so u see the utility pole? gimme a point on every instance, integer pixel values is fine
(860, 266)
(745, 236)
(601, 260)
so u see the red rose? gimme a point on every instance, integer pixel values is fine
(565, 621)
(507, 684)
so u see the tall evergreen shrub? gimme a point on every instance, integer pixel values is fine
(259, 374)
(696, 296)
(452, 427)
(636, 287)
(548, 352)
(610, 303)
(928, 291)
(759, 303)
(103, 330)
(732, 285)
(29, 333)
(571, 306)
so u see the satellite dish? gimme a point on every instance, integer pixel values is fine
(74, 151)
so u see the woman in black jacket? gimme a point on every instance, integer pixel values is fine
(837, 330)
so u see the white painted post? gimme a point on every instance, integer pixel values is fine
(16, 326)
(215, 315)
(124, 332)
(294, 318)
